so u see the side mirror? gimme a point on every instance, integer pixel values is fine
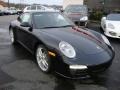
(26, 24)
(103, 18)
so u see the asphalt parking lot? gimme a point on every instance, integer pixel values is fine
(18, 70)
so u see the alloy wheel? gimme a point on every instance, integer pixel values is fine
(12, 36)
(42, 59)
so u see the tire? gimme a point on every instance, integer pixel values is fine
(12, 36)
(43, 59)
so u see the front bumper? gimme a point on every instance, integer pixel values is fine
(79, 22)
(112, 33)
(84, 73)
(64, 69)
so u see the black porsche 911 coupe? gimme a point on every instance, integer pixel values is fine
(61, 46)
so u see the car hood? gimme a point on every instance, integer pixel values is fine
(86, 44)
(80, 39)
(116, 24)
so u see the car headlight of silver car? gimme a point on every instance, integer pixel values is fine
(85, 18)
(67, 49)
(105, 40)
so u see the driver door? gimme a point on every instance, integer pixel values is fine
(24, 33)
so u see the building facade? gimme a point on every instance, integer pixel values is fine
(2, 4)
(107, 5)
(69, 2)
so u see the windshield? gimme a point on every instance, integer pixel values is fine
(50, 19)
(76, 8)
(114, 17)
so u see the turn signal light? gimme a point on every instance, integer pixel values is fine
(51, 53)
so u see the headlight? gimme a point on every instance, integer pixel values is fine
(85, 18)
(111, 26)
(67, 49)
(106, 40)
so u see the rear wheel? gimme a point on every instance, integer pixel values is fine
(12, 36)
(43, 59)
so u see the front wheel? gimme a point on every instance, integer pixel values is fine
(43, 59)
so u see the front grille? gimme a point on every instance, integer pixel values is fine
(99, 68)
(81, 72)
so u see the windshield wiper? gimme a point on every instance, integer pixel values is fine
(49, 27)
(67, 26)
(58, 26)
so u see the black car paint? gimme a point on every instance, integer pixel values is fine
(84, 42)
(76, 41)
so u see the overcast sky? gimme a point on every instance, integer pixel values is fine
(50, 2)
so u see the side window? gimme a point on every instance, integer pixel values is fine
(39, 7)
(33, 7)
(25, 18)
(28, 8)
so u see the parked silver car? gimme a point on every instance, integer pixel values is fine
(77, 13)
(10, 11)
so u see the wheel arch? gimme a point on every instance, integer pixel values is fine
(37, 44)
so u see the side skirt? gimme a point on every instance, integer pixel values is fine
(25, 47)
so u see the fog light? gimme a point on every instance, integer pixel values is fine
(80, 67)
